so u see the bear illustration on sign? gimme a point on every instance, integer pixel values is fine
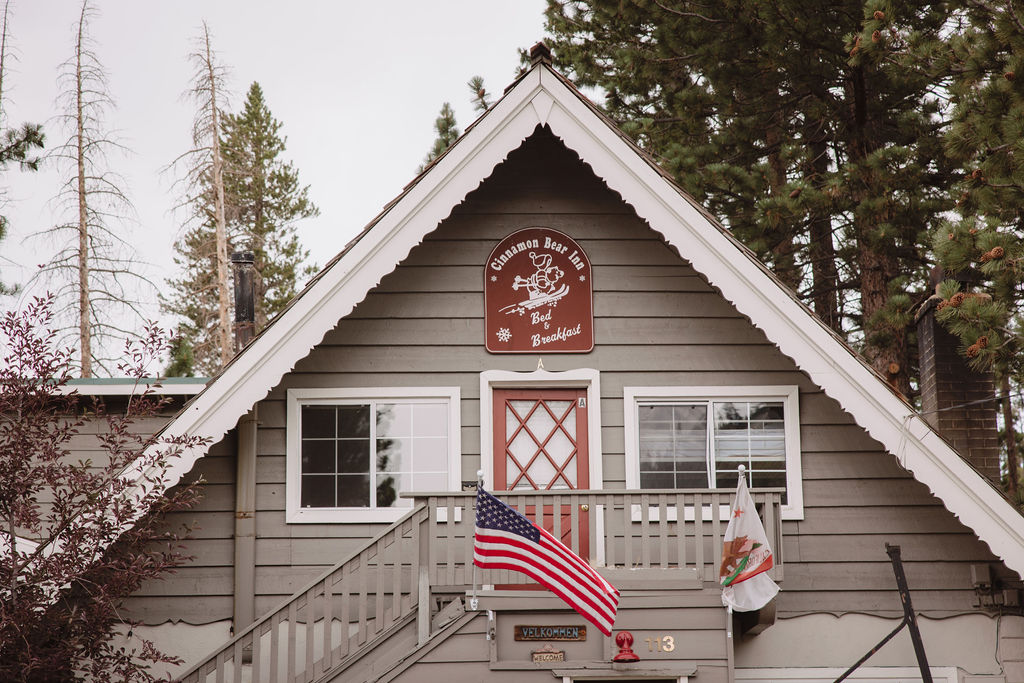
(541, 286)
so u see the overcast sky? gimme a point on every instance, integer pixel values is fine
(356, 85)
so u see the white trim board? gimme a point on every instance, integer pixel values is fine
(542, 97)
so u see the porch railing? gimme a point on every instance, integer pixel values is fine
(429, 552)
(651, 529)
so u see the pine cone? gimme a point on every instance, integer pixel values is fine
(856, 46)
(894, 368)
(1009, 75)
(952, 237)
(982, 342)
(879, 14)
(876, 36)
(942, 304)
(976, 174)
(993, 253)
(795, 193)
(973, 350)
(957, 299)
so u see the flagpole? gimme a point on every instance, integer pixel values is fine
(473, 602)
(730, 641)
(729, 654)
(746, 557)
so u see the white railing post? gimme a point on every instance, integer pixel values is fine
(423, 579)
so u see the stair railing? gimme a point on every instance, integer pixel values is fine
(328, 621)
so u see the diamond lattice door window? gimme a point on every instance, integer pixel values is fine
(540, 443)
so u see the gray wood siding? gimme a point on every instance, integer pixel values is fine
(657, 322)
(201, 591)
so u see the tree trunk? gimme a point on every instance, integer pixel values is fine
(3, 56)
(1011, 440)
(782, 246)
(822, 250)
(84, 328)
(223, 293)
(886, 349)
(885, 344)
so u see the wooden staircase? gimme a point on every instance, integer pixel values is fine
(339, 618)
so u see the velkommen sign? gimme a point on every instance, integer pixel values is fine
(538, 294)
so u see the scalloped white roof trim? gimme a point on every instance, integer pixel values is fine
(541, 97)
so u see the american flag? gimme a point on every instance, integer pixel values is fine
(507, 540)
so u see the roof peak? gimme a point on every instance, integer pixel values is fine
(540, 53)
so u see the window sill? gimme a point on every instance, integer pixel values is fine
(345, 515)
(359, 515)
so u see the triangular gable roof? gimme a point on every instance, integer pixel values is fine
(543, 97)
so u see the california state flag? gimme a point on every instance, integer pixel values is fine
(746, 555)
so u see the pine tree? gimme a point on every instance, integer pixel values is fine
(792, 122)
(16, 145)
(481, 98)
(265, 200)
(984, 247)
(447, 133)
(982, 250)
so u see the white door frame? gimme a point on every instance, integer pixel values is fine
(587, 378)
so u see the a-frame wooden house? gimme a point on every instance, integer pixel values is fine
(545, 305)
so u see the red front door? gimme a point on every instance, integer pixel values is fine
(540, 443)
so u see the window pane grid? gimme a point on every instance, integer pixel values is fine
(363, 454)
(680, 447)
(673, 445)
(750, 433)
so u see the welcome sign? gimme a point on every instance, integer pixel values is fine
(538, 294)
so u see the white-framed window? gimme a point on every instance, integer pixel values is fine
(697, 437)
(350, 452)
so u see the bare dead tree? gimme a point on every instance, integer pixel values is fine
(205, 239)
(95, 272)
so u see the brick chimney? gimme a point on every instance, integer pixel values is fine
(245, 298)
(953, 396)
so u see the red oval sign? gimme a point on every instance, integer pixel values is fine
(538, 295)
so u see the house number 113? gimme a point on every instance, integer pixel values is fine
(661, 644)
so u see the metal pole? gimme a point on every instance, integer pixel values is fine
(474, 603)
(908, 611)
(730, 656)
(909, 620)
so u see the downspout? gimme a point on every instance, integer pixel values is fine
(245, 524)
(245, 458)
